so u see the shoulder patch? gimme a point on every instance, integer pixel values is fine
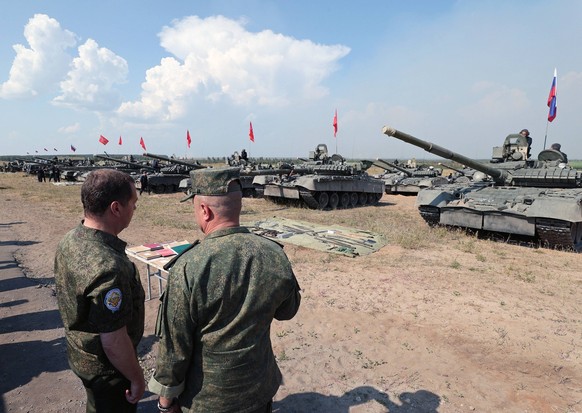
(113, 299)
(173, 260)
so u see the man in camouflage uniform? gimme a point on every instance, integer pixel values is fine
(100, 296)
(215, 317)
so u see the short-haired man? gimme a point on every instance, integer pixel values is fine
(214, 321)
(100, 296)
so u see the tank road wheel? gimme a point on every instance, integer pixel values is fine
(373, 198)
(322, 200)
(345, 200)
(353, 200)
(333, 200)
(362, 198)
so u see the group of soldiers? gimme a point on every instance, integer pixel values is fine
(53, 173)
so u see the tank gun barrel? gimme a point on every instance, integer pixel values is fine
(279, 171)
(134, 164)
(500, 176)
(174, 161)
(383, 164)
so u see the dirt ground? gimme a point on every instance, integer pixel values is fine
(436, 321)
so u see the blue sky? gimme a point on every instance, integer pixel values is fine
(462, 74)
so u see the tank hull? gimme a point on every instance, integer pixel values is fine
(550, 216)
(326, 191)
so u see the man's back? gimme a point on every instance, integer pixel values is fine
(234, 283)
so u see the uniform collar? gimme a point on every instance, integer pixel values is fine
(227, 231)
(109, 239)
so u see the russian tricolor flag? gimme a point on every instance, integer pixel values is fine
(552, 98)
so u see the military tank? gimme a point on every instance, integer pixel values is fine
(169, 176)
(409, 181)
(537, 199)
(460, 175)
(325, 182)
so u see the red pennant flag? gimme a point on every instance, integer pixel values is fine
(142, 143)
(103, 140)
(120, 141)
(188, 139)
(251, 133)
(335, 124)
(73, 148)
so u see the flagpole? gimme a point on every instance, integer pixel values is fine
(546, 137)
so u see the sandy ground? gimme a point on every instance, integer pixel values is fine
(443, 322)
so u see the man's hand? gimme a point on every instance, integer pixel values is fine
(136, 391)
(172, 404)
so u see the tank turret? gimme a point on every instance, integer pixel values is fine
(549, 171)
(537, 199)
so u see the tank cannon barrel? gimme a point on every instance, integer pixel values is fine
(383, 164)
(279, 171)
(133, 164)
(498, 175)
(174, 161)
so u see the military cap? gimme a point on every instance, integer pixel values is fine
(212, 181)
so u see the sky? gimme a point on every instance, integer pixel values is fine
(462, 74)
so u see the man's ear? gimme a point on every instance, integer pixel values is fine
(206, 211)
(114, 208)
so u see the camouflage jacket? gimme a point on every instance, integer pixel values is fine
(98, 291)
(215, 319)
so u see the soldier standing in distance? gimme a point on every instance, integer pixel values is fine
(143, 183)
(215, 317)
(100, 296)
(525, 134)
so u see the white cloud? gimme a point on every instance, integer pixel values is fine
(220, 59)
(90, 83)
(41, 66)
(70, 129)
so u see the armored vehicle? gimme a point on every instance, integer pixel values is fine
(538, 199)
(409, 181)
(462, 174)
(325, 182)
(169, 176)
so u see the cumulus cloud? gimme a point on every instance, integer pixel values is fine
(217, 58)
(71, 128)
(43, 64)
(90, 82)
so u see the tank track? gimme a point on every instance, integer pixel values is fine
(308, 198)
(430, 214)
(555, 233)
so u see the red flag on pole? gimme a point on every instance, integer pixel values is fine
(103, 140)
(120, 141)
(552, 104)
(73, 148)
(251, 133)
(188, 139)
(335, 124)
(142, 143)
